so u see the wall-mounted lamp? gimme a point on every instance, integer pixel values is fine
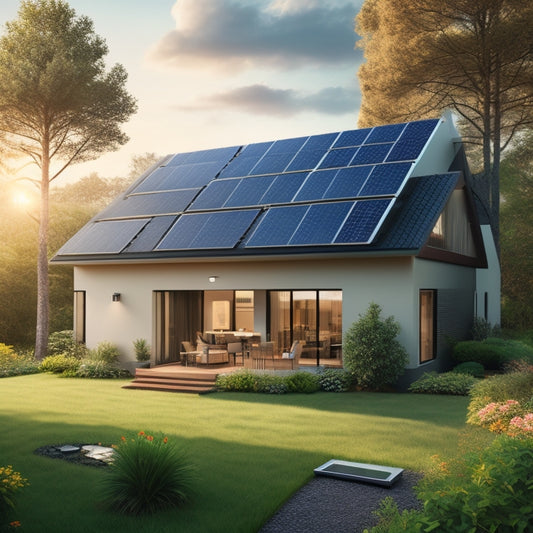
(212, 279)
(116, 296)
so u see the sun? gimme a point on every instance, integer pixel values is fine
(21, 199)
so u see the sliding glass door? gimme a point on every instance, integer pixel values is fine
(178, 316)
(312, 317)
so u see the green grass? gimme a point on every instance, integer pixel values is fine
(251, 451)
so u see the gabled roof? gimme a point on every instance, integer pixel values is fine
(351, 191)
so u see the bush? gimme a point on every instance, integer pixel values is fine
(513, 386)
(148, 474)
(270, 384)
(471, 368)
(63, 342)
(58, 364)
(493, 353)
(142, 350)
(482, 329)
(89, 368)
(490, 490)
(13, 364)
(334, 380)
(105, 352)
(302, 382)
(372, 355)
(241, 381)
(447, 383)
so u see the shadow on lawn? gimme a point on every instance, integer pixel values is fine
(450, 410)
(239, 485)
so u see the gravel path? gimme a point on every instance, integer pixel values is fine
(328, 504)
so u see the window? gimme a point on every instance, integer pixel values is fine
(428, 306)
(79, 316)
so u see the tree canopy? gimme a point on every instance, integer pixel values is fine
(471, 56)
(58, 104)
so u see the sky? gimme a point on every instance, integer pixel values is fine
(215, 73)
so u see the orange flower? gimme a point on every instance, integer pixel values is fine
(165, 440)
(15, 523)
(142, 433)
(123, 439)
(150, 438)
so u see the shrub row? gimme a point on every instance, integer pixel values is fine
(447, 383)
(332, 380)
(493, 353)
(14, 364)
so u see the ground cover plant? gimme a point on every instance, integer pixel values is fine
(446, 383)
(251, 451)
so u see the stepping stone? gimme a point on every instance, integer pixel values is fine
(100, 453)
(67, 448)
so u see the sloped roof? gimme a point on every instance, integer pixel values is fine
(348, 191)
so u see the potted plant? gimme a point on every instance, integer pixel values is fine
(142, 353)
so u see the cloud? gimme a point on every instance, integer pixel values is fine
(261, 99)
(283, 34)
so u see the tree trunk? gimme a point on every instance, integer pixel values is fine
(43, 289)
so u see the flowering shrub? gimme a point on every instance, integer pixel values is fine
(509, 417)
(10, 483)
(148, 473)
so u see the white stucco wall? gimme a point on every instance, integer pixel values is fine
(489, 281)
(392, 282)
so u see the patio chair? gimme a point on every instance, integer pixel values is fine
(291, 360)
(236, 349)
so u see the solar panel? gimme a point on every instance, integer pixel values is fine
(321, 223)
(191, 175)
(244, 161)
(315, 185)
(204, 156)
(151, 182)
(150, 204)
(352, 138)
(151, 234)
(222, 229)
(363, 222)
(386, 179)
(283, 188)
(109, 236)
(371, 154)
(287, 146)
(276, 226)
(338, 158)
(412, 140)
(249, 191)
(272, 164)
(306, 160)
(215, 195)
(383, 134)
(347, 182)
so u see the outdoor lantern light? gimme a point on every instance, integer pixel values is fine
(212, 279)
(116, 296)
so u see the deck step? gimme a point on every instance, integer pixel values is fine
(174, 381)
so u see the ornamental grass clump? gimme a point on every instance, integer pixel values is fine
(148, 473)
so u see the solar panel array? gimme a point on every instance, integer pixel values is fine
(331, 189)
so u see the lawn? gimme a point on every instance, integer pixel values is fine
(251, 451)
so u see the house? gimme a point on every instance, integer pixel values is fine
(292, 240)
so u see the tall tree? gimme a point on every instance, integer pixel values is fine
(473, 56)
(57, 104)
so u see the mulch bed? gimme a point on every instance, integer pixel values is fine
(79, 458)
